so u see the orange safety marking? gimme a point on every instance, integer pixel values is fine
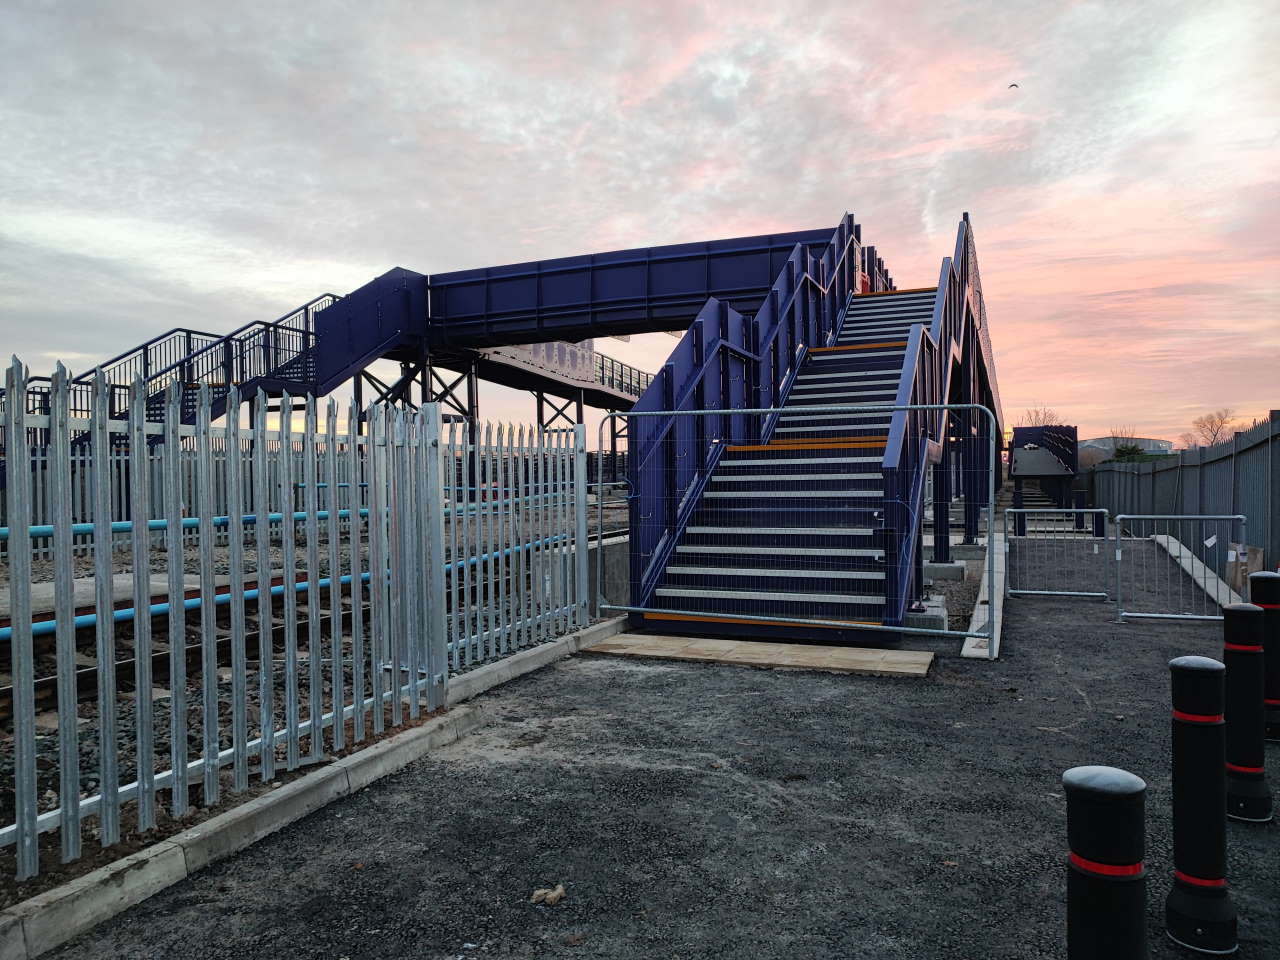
(833, 625)
(861, 346)
(859, 438)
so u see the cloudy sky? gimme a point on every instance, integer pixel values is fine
(181, 164)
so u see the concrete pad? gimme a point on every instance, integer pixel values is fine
(796, 656)
(954, 570)
(53, 917)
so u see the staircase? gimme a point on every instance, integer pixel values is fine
(794, 527)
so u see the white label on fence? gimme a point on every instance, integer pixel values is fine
(1118, 551)
(1231, 556)
(1095, 548)
(1211, 541)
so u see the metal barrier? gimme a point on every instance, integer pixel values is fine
(1171, 566)
(798, 531)
(285, 641)
(1053, 552)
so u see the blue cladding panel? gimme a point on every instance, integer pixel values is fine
(388, 312)
(625, 291)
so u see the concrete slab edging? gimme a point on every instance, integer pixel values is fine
(47, 920)
(990, 603)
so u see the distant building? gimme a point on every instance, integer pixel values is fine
(1108, 445)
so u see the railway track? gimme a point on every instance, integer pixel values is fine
(86, 676)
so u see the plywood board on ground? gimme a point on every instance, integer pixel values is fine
(755, 653)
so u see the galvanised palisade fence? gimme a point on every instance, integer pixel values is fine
(183, 668)
(1241, 476)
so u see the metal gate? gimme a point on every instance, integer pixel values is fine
(1176, 566)
(1052, 552)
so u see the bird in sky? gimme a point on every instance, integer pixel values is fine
(1013, 86)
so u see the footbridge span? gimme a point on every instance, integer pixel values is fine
(802, 518)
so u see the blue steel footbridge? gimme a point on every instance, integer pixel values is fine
(778, 322)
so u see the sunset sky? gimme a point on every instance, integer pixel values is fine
(207, 165)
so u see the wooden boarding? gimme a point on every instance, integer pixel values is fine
(754, 653)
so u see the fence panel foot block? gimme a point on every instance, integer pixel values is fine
(751, 653)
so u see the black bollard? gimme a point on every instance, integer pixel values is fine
(1106, 881)
(1248, 796)
(1199, 913)
(1264, 592)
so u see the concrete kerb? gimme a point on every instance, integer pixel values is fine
(50, 919)
(990, 603)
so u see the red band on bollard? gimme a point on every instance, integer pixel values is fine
(1106, 869)
(1199, 881)
(1268, 606)
(1197, 717)
(1242, 647)
(1271, 703)
(1239, 769)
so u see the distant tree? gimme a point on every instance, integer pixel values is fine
(1214, 427)
(1127, 452)
(1091, 457)
(1041, 416)
(1127, 432)
(1188, 440)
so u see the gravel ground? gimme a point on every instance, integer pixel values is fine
(696, 810)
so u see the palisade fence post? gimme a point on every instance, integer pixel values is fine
(24, 709)
(209, 720)
(104, 602)
(236, 600)
(61, 506)
(315, 643)
(175, 546)
(140, 509)
(376, 468)
(266, 621)
(436, 625)
(582, 615)
(337, 698)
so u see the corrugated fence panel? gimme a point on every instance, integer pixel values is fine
(1237, 477)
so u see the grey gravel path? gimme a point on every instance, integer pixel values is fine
(708, 811)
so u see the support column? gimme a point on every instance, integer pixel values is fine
(942, 502)
(974, 489)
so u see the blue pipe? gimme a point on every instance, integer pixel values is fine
(41, 628)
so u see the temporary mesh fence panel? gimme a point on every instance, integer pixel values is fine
(1057, 552)
(280, 589)
(1166, 566)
